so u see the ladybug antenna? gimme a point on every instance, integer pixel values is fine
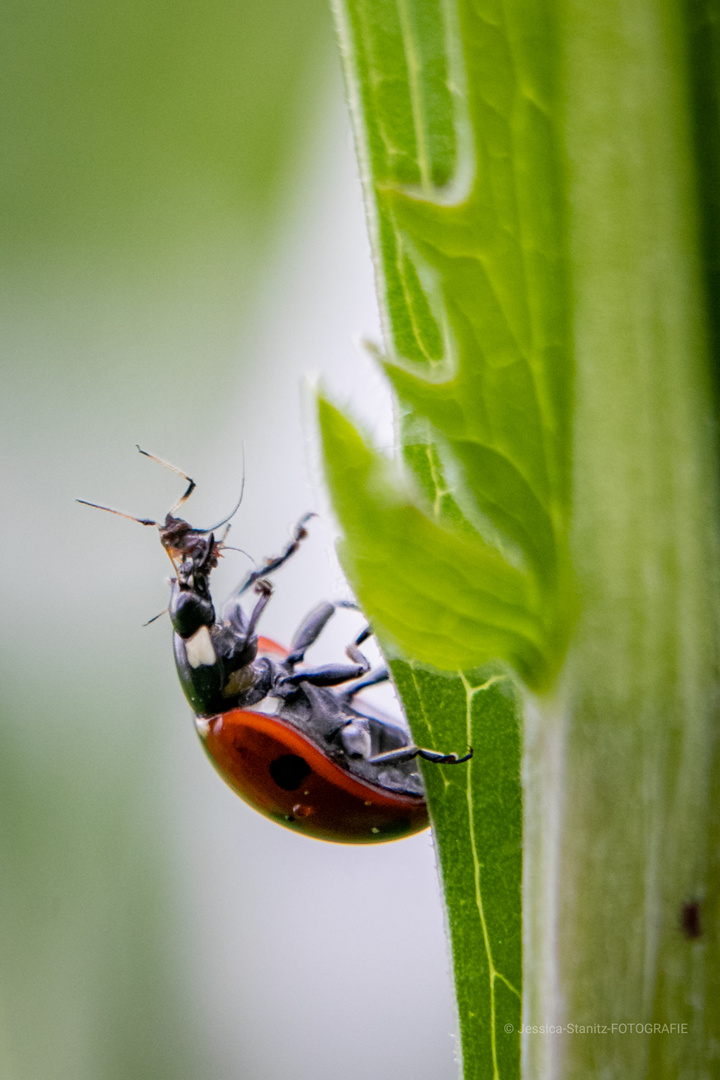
(235, 508)
(225, 520)
(191, 485)
(110, 510)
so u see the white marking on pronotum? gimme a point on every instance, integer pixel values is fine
(199, 649)
(269, 706)
(202, 725)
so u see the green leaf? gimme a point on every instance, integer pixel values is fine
(460, 152)
(411, 571)
(467, 565)
(477, 809)
(453, 600)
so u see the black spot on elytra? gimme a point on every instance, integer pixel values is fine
(289, 771)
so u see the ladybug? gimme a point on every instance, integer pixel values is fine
(294, 741)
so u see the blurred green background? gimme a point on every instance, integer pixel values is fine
(182, 238)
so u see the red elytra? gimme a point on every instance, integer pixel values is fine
(268, 647)
(283, 774)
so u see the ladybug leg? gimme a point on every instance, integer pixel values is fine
(309, 632)
(445, 759)
(375, 677)
(314, 625)
(364, 634)
(331, 674)
(271, 565)
(234, 615)
(408, 753)
(265, 589)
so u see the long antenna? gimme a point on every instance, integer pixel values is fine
(235, 509)
(110, 510)
(191, 485)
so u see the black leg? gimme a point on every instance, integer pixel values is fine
(378, 676)
(309, 632)
(332, 674)
(313, 626)
(265, 589)
(271, 565)
(408, 753)
(233, 614)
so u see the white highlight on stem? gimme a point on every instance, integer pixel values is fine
(543, 783)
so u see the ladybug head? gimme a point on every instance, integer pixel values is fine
(182, 542)
(180, 539)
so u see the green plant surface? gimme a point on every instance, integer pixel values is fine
(542, 196)
(469, 237)
(451, 593)
(481, 809)
(455, 588)
(470, 261)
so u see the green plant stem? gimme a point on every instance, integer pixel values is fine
(620, 774)
(584, 134)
